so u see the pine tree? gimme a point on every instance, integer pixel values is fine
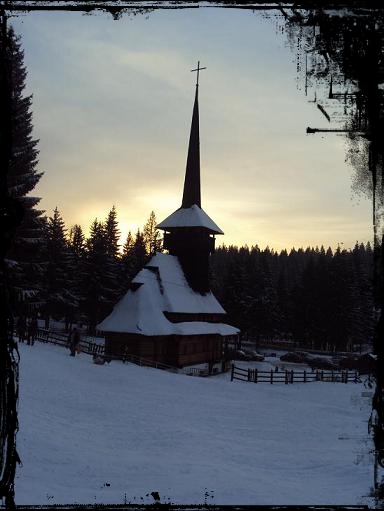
(342, 297)
(311, 305)
(218, 270)
(76, 249)
(76, 241)
(128, 261)
(151, 235)
(11, 217)
(62, 298)
(93, 274)
(139, 254)
(112, 233)
(284, 297)
(364, 309)
(101, 284)
(96, 243)
(26, 255)
(128, 245)
(269, 293)
(235, 291)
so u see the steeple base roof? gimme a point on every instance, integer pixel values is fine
(189, 217)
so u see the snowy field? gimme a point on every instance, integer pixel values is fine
(115, 433)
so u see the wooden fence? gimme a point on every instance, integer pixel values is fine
(272, 376)
(87, 343)
(90, 347)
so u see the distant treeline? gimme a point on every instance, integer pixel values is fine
(315, 297)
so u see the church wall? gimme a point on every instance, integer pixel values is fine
(156, 348)
(175, 350)
(196, 349)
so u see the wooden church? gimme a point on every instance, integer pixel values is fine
(169, 314)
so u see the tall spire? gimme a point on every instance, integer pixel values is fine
(192, 193)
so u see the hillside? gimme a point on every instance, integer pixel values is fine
(102, 434)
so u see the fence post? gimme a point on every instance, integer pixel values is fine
(232, 371)
(286, 377)
(271, 376)
(305, 376)
(256, 375)
(322, 375)
(249, 374)
(346, 376)
(292, 376)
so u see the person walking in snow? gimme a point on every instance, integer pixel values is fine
(75, 341)
(32, 331)
(21, 327)
(69, 338)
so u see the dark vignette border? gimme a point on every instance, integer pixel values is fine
(11, 217)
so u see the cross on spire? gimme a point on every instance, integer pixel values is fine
(198, 69)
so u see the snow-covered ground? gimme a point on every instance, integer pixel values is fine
(116, 433)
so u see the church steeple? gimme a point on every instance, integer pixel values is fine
(189, 232)
(191, 192)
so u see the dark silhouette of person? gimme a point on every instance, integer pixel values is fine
(75, 341)
(21, 327)
(32, 331)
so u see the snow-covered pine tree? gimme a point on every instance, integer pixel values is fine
(25, 258)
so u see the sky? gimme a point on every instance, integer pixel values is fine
(112, 107)
(192, 440)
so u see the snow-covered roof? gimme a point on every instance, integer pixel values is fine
(162, 287)
(201, 327)
(177, 295)
(139, 311)
(190, 217)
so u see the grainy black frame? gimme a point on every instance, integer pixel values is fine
(117, 9)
